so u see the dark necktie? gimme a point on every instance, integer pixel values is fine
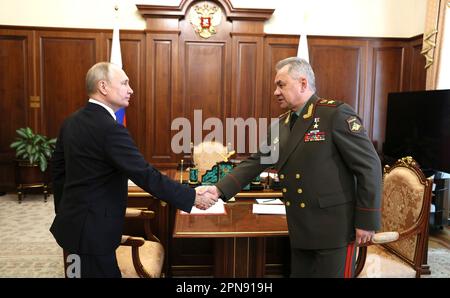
(294, 117)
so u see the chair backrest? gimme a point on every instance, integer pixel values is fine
(207, 154)
(406, 209)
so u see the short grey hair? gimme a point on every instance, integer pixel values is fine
(298, 67)
(100, 71)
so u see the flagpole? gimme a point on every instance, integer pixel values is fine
(116, 58)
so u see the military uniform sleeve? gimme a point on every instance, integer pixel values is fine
(248, 169)
(241, 175)
(360, 156)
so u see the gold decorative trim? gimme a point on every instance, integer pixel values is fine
(428, 46)
(408, 161)
(35, 102)
(259, 195)
(178, 234)
(309, 113)
(205, 18)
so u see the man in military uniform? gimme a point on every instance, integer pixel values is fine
(329, 171)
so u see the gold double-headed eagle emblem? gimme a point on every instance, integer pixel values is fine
(205, 18)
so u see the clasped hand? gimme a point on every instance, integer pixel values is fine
(206, 196)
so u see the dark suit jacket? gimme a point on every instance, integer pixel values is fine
(93, 159)
(331, 176)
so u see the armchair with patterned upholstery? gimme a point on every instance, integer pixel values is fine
(139, 257)
(405, 209)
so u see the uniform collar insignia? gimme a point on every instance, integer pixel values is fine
(309, 113)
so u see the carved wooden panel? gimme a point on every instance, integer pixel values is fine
(418, 72)
(64, 60)
(204, 79)
(386, 77)
(246, 99)
(247, 77)
(275, 49)
(160, 91)
(338, 69)
(15, 54)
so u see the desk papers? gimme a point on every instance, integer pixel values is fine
(269, 209)
(217, 208)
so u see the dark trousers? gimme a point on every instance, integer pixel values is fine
(323, 263)
(95, 266)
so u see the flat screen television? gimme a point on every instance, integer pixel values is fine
(418, 125)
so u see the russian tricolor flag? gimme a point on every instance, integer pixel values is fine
(116, 58)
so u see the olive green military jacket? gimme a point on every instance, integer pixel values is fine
(329, 171)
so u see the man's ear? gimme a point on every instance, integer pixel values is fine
(102, 87)
(303, 84)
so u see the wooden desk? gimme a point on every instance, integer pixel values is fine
(239, 237)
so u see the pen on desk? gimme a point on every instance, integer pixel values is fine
(268, 200)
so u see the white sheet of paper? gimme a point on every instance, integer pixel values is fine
(269, 201)
(268, 209)
(217, 208)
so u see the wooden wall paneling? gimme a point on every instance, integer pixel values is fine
(246, 85)
(418, 74)
(205, 69)
(161, 95)
(16, 87)
(339, 67)
(63, 60)
(133, 63)
(203, 77)
(276, 48)
(386, 75)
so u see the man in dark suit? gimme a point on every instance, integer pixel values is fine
(329, 171)
(93, 159)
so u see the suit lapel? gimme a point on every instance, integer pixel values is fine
(298, 131)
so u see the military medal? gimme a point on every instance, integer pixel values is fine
(315, 135)
(316, 123)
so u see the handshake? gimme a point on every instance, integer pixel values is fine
(206, 196)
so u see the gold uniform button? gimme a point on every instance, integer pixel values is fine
(297, 176)
(302, 205)
(288, 203)
(300, 190)
(281, 176)
(284, 190)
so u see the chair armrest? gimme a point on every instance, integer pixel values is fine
(385, 237)
(138, 213)
(378, 238)
(382, 237)
(132, 241)
(145, 215)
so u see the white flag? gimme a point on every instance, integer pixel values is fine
(116, 55)
(302, 51)
(116, 58)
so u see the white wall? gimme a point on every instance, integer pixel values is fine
(371, 18)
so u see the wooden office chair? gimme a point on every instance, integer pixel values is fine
(139, 257)
(405, 209)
